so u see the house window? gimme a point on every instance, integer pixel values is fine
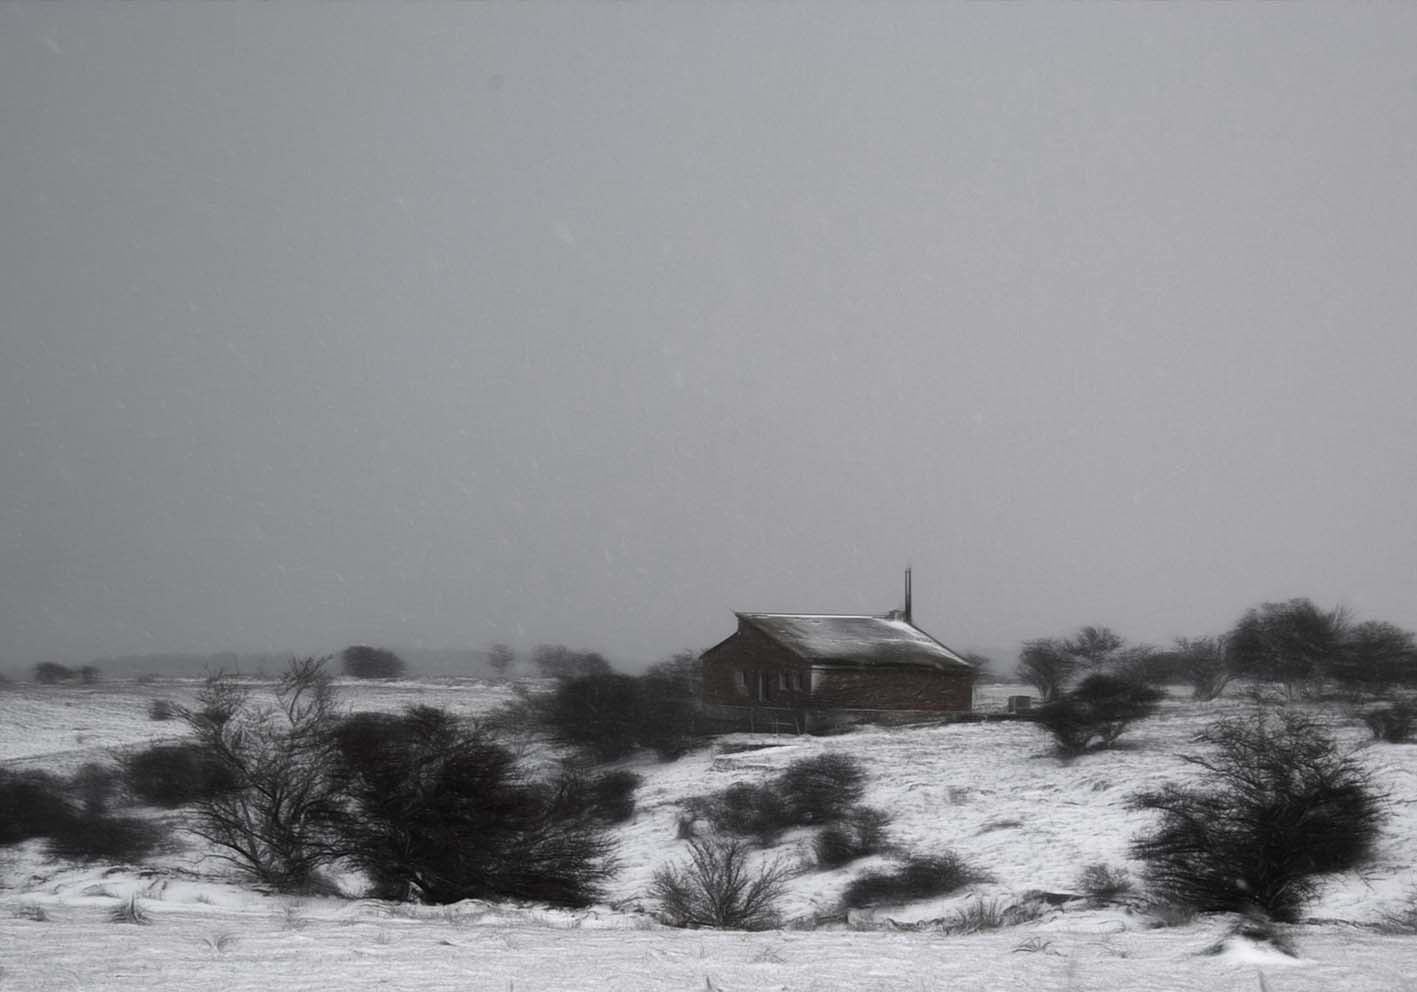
(740, 680)
(782, 682)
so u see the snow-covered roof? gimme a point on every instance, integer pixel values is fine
(855, 640)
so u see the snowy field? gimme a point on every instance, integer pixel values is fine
(58, 728)
(990, 791)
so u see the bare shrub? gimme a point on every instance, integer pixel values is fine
(1046, 665)
(161, 709)
(1104, 883)
(918, 878)
(861, 834)
(219, 943)
(719, 887)
(1280, 803)
(279, 827)
(1097, 712)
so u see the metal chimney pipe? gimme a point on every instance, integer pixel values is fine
(907, 596)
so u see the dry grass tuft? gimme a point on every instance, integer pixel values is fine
(129, 910)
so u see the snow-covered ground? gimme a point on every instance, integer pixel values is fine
(989, 791)
(61, 727)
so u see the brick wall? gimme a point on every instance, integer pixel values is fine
(751, 652)
(894, 689)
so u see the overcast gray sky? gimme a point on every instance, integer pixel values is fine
(448, 324)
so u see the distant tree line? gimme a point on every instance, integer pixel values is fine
(1295, 645)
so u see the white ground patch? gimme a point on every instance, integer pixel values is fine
(990, 791)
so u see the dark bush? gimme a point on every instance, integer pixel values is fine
(1294, 643)
(1102, 882)
(918, 878)
(1279, 803)
(36, 804)
(444, 814)
(1392, 723)
(608, 715)
(809, 792)
(613, 795)
(826, 723)
(560, 662)
(501, 658)
(605, 798)
(820, 789)
(669, 710)
(32, 804)
(53, 673)
(1203, 663)
(1376, 656)
(86, 837)
(95, 786)
(1096, 713)
(598, 714)
(861, 834)
(720, 888)
(161, 709)
(361, 661)
(749, 810)
(177, 774)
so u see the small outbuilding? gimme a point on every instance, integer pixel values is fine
(792, 669)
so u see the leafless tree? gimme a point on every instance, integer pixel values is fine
(279, 826)
(1046, 665)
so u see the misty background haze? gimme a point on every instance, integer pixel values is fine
(443, 325)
